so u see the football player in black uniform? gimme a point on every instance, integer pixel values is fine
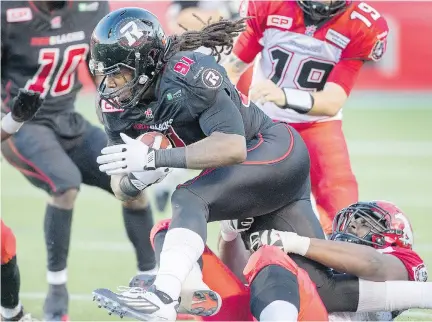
(252, 166)
(42, 44)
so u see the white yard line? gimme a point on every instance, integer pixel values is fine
(390, 148)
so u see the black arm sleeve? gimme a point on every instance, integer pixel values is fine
(223, 116)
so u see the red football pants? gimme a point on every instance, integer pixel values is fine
(8, 244)
(334, 185)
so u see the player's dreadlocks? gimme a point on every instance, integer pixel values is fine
(218, 36)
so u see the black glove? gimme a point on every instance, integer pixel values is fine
(25, 105)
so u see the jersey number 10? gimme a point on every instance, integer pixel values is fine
(64, 79)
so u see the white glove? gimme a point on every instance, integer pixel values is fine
(231, 228)
(289, 242)
(123, 158)
(147, 178)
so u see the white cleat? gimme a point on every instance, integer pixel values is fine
(135, 302)
(199, 301)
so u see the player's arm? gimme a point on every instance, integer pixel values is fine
(24, 107)
(235, 67)
(359, 260)
(247, 45)
(326, 102)
(224, 145)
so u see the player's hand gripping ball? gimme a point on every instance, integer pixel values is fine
(132, 155)
(25, 105)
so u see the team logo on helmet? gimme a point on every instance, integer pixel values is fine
(131, 33)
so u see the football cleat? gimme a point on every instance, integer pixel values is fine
(135, 302)
(203, 302)
(56, 304)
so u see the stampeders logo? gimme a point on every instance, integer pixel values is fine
(420, 273)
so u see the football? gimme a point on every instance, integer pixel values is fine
(155, 140)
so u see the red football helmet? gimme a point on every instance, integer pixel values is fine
(382, 224)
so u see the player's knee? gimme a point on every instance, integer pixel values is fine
(273, 283)
(138, 203)
(189, 211)
(66, 199)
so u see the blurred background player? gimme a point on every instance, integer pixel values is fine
(310, 54)
(185, 13)
(23, 108)
(43, 43)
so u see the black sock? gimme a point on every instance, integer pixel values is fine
(10, 284)
(158, 241)
(57, 227)
(138, 223)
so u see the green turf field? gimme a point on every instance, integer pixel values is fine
(391, 153)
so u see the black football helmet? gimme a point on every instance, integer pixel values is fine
(377, 223)
(318, 10)
(127, 41)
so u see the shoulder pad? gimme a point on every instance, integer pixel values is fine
(370, 34)
(200, 76)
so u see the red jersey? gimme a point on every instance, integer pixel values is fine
(415, 266)
(294, 55)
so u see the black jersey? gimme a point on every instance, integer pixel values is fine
(194, 97)
(41, 51)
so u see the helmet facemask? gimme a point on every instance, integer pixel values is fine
(134, 81)
(361, 225)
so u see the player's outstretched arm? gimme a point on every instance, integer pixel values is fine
(327, 102)
(24, 107)
(359, 260)
(235, 67)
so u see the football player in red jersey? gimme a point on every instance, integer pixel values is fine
(311, 53)
(377, 223)
(23, 108)
(384, 227)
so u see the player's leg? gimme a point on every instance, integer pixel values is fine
(201, 200)
(137, 214)
(195, 295)
(333, 183)
(338, 294)
(275, 173)
(36, 153)
(280, 290)
(11, 308)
